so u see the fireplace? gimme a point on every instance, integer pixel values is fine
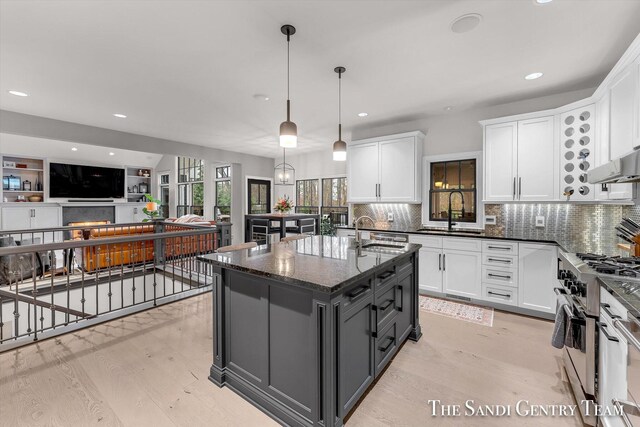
(73, 214)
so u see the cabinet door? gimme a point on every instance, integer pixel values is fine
(46, 217)
(462, 271)
(537, 266)
(622, 109)
(362, 172)
(398, 170)
(612, 368)
(357, 358)
(405, 291)
(430, 266)
(537, 168)
(127, 213)
(16, 218)
(500, 161)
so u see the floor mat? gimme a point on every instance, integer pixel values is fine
(456, 310)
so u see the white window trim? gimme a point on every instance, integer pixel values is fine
(426, 185)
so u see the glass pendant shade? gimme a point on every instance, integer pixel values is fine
(340, 151)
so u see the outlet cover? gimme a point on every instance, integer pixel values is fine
(390, 216)
(539, 221)
(490, 220)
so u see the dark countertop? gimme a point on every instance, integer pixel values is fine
(614, 286)
(322, 263)
(477, 235)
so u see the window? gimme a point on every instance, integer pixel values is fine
(164, 195)
(307, 196)
(449, 179)
(259, 196)
(223, 190)
(334, 200)
(190, 186)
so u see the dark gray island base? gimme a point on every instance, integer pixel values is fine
(303, 329)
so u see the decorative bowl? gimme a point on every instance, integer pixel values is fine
(35, 198)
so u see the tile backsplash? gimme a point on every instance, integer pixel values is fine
(579, 227)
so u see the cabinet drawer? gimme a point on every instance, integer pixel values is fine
(500, 260)
(500, 276)
(386, 305)
(427, 241)
(501, 247)
(361, 293)
(386, 344)
(500, 294)
(609, 304)
(472, 245)
(385, 278)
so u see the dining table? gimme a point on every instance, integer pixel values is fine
(282, 219)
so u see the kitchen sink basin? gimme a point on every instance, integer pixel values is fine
(445, 231)
(382, 246)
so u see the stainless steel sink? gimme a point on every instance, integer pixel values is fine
(455, 231)
(376, 245)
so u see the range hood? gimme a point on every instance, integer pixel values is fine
(624, 169)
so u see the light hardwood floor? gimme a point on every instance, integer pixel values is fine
(150, 369)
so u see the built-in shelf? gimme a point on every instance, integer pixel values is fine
(24, 191)
(33, 172)
(138, 176)
(24, 169)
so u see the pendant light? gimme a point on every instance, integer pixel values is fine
(288, 129)
(285, 174)
(340, 147)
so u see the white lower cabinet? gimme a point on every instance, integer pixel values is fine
(500, 294)
(461, 272)
(127, 213)
(537, 270)
(31, 217)
(430, 269)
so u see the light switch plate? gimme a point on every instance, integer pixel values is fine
(490, 220)
(390, 216)
(539, 221)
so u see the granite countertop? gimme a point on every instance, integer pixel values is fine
(615, 286)
(321, 263)
(566, 246)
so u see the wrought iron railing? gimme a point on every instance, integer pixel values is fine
(61, 279)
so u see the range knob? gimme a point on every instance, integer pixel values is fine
(574, 290)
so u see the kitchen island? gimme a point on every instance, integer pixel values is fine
(303, 329)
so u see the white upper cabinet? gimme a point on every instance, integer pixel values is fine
(521, 160)
(362, 172)
(501, 161)
(385, 169)
(537, 171)
(624, 114)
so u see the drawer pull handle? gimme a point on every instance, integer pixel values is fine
(502, 248)
(506, 261)
(603, 329)
(385, 275)
(355, 294)
(499, 294)
(501, 276)
(386, 347)
(374, 334)
(607, 309)
(386, 305)
(400, 289)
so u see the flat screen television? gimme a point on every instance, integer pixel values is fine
(85, 182)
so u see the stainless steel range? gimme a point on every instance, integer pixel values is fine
(578, 276)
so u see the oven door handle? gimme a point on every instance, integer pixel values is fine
(559, 291)
(626, 408)
(631, 339)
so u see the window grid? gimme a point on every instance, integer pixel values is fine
(449, 176)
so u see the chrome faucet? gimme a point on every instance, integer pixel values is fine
(451, 224)
(358, 232)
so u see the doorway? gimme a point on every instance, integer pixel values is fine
(259, 196)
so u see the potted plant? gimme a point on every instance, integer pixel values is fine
(283, 205)
(151, 210)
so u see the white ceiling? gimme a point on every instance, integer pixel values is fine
(187, 70)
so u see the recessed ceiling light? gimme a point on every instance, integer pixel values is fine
(74, 149)
(120, 116)
(112, 153)
(363, 114)
(18, 93)
(466, 23)
(260, 97)
(448, 108)
(533, 76)
(542, 1)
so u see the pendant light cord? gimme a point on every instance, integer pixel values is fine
(288, 66)
(340, 106)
